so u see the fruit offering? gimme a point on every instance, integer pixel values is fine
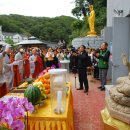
(42, 89)
(45, 79)
(23, 85)
(33, 94)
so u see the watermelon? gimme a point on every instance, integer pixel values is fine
(33, 94)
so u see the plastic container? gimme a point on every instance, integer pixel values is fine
(65, 65)
(58, 90)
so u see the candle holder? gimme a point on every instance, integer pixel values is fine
(58, 90)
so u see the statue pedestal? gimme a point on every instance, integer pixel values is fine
(109, 123)
(91, 34)
(105, 125)
(91, 41)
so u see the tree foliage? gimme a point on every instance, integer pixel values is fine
(100, 10)
(58, 28)
(50, 29)
(10, 42)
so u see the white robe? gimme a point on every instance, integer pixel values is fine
(8, 71)
(19, 58)
(6, 59)
(32, 60)
(2, 80)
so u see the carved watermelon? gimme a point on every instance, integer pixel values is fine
(33, 94)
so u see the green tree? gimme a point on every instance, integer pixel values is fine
(10, 42)
(49, 29)
(100, 10)
(76, 26)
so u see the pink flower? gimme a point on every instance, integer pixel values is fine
(2, 105)
(18, 112)
(7, 118)
(29, 107)
(53, 67)
(12, 110)
(17, 125)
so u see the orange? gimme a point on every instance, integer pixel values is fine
(46, 75)
(40, 77)
(45, 85)
(45, 81)
(37, 80)
(48, 81)
(48, 86)
(47, 91)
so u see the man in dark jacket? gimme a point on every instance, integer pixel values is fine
(73, 61)
(103, 64)
(83, 61)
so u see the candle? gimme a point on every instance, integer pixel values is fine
(59, 101)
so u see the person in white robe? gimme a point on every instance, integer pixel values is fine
(19, 55)
(2, 80)
(8, 68)
(32, 60)
(19, 60)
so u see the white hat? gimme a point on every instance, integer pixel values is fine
(7, 47)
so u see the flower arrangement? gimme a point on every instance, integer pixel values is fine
(12, 112)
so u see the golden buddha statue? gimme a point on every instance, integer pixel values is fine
(91, 21)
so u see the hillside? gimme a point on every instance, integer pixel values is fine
(50, 29)
(59, 28)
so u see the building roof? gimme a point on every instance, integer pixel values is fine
(32, 38)
(3, 43)
(9, 33)
(25, 42)
(12, 34)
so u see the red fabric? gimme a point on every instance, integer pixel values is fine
(26, 67)
(3, 90)
(16, 75)
(12, 58)
(38, 67)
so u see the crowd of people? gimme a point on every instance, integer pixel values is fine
(94, 62)
(31, 61)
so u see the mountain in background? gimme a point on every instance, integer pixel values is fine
(44, 28)
(54, 29)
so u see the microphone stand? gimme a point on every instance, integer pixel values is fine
(75, 79)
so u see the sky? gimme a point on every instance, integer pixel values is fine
(39, 8)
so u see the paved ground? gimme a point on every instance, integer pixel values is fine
(87, 107)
